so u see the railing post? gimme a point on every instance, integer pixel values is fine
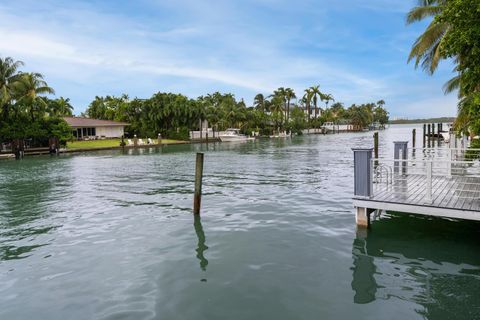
(449, 163)
(400, 152)
(428, 191)
(363, 172)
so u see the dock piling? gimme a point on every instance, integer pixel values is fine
(198, 183)
(424, 133)
(375, 144)
(18, 148)
(414, 136)
(429, 136)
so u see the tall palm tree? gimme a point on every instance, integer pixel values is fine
(280, 95)
(277, 110)
(9, 77)
(259, 102)
(316, 94)
(426, 49)
(31, 87)
(289, 95)
(307, 98)
(327, 98)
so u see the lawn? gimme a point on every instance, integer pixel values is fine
(108, 143)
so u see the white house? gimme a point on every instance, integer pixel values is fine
(86, 128)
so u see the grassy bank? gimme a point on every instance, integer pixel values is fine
(109, 143)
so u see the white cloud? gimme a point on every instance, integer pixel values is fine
(85, 48)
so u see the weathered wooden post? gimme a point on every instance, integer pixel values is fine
(424, 133)
(400, 153)
(197, 199)
(53, 145)
(363, 182)
(375, 144)
(18, 148)
(429, 134)
(414, 136)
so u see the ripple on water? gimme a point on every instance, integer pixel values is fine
(110, 235)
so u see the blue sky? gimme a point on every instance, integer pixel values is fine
(354, 49)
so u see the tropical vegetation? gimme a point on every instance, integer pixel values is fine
(453, 33)
(175, 115)
(28, 111)
(25, 111)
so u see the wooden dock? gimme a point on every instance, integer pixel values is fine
(434, 185)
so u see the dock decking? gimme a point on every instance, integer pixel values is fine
(454, 197)
(436, 182)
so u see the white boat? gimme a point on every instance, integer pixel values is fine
(232, 135)
(280, 135)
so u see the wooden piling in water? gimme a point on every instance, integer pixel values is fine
(197, 198)
(424, 129)
(429, 136)
(375, 144)
(414, 136)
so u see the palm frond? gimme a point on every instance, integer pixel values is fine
(426, 49)
(422, 12)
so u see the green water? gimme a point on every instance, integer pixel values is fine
(110, 235)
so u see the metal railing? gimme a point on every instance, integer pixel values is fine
(430, 177)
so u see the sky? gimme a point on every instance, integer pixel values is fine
(355, 50)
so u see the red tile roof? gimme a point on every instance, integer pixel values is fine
(78, 122)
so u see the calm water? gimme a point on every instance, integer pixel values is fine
(111, 236)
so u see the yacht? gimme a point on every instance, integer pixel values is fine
(231, 135)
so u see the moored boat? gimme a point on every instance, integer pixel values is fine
(233, 135)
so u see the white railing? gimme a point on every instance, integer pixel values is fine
(203, 134)
(427, 176)
(444, 153)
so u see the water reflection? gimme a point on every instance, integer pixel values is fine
(431, 262)
(24, 205)
(201, 246)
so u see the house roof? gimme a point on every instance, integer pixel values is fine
(78, 122)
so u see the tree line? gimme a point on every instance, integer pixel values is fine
(453, 33)
(28, 112)
(174, 115)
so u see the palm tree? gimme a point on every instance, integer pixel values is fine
(278, 111)
(9, 77)
(289, 95)
(61, 107)
(280, 95)
(307, 98)
(259, 102)
(315, 90)
(327, 98)
(30, 88)
(426, 49)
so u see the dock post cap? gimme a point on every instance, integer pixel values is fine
(400, 141)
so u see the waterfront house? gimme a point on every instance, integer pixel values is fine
(86, 128)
